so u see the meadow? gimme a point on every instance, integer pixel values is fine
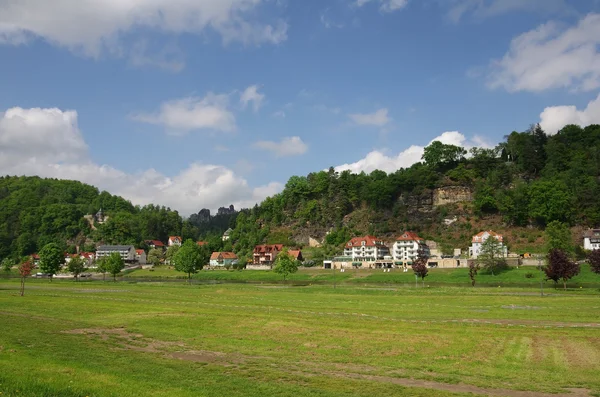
(171, 339)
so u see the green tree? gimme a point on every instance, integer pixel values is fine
(285, 264)
(190, 258)
(155, 256)
(558, 236)
(7, 264)
(114, 264)
(76, 266)
(51, 259)
(550, 201)
(491, 256)
(473, 270)
(438, 154)
(102, 267)
(170, 254)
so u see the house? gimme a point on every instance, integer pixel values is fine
(100, 217)
(227, 234)
(266, 254)
(366, 249)
(174, 240)
(140, 257)
(480, 238)
(591, 239)
(36, 259)
(127, 252)
(222, 259)
(296, 254)
(406, 248)
(201, 243)
(155, 244)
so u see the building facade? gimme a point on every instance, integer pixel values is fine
(366, 249)
(407, 246)
(227, 234)
(127, 252)
(266, 254)
(591, 239)
(222, 259)
(174, 240)
(480, 238)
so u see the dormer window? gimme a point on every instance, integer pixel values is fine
(362, 243)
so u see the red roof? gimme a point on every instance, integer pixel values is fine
(478, 238)
(175, 238)
(139, 252)
(296, 254)
(155, 243)
(201, 243)
(370, 241)
(268, 248)
(87, 255)
(35, 256)
(223, 255)
(409, 236)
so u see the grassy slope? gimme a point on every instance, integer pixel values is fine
(289, 341)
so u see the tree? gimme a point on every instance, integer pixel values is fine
(51, 259)
(420, 265)
(171, 251)
(285, 264)
(560, 267)
(25, 269)
(558, 236)
(155, 256)
(114, 264)
(7, 264)
(76, 266)
(437, 154)
(594, 260)
(190, 258)
(473, 269)
(491, 256)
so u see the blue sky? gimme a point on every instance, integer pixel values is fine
(197, 104)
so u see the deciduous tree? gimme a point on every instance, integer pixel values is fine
(7, 264)
(420, 265)
(491, 256)
(190, 258)
(560, 267)
(594, 260)
(114, 264)
(155, 256)
(76, 266)
(558, 236)
(473, 270)
(25, 269)
(51, 259)
(285, 264)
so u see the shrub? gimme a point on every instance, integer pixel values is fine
(529, 275)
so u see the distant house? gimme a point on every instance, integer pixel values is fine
(127, 252)
(222, 259)
(201, 243)
(174, 240)
(296, 254)
(480, 238)
(366, 249)
(155, 244)
(100, 217)
(227, 234)
(591, 239)
(140, 257)
(266, 254)
(36, 259)
(407, 246)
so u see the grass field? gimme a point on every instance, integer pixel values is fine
(170, 339)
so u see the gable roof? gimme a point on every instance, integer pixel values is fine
(171, 238)
(139, 252)
(115, 248)
(296, 254)
(370, 241)
(268, 248)
(223, 255)
(156, 243)
(227, 232)
(409, 236)
(478, 238)
(591, 233)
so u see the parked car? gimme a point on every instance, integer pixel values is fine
(42, 275)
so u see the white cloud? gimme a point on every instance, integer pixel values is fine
(192, 113)
(170, 58)
(554, 118)
(328, 22)
(251, 94)
(289, 146)
(280, 114)
(378, 160)
(386, 5)
(550, 57)
(481, 9)
(95, 25)
(48, 143)
(379, 118)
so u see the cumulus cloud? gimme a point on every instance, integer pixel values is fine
(378, 160)
(95, 25)
(551, 57)
(192, 113)
(289, 146)
(553, 118)
(385, 5)
(251, 95)
(48, 143)
(481, 9)
(379, 118)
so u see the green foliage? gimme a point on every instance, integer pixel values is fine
(7, 264)
(491, 256)
(190, 258)
(113, 264)
(76, 266)
(171, 252)
(285, 264)
(438, 154)
(51, 259)
(155, 256)
(558, 236)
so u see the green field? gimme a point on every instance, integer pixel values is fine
(171, 339)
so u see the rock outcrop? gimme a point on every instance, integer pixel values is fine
(451, 194)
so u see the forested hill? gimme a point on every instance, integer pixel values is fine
(518, 187)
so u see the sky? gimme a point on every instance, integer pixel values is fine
(198, 104)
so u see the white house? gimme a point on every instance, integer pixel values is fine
(127, 252)
(227, 234)
(591, 239)
(407, 246)
(174, 240)
(366, 249)
(140, 257)
(480, 238)
(222, 259)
